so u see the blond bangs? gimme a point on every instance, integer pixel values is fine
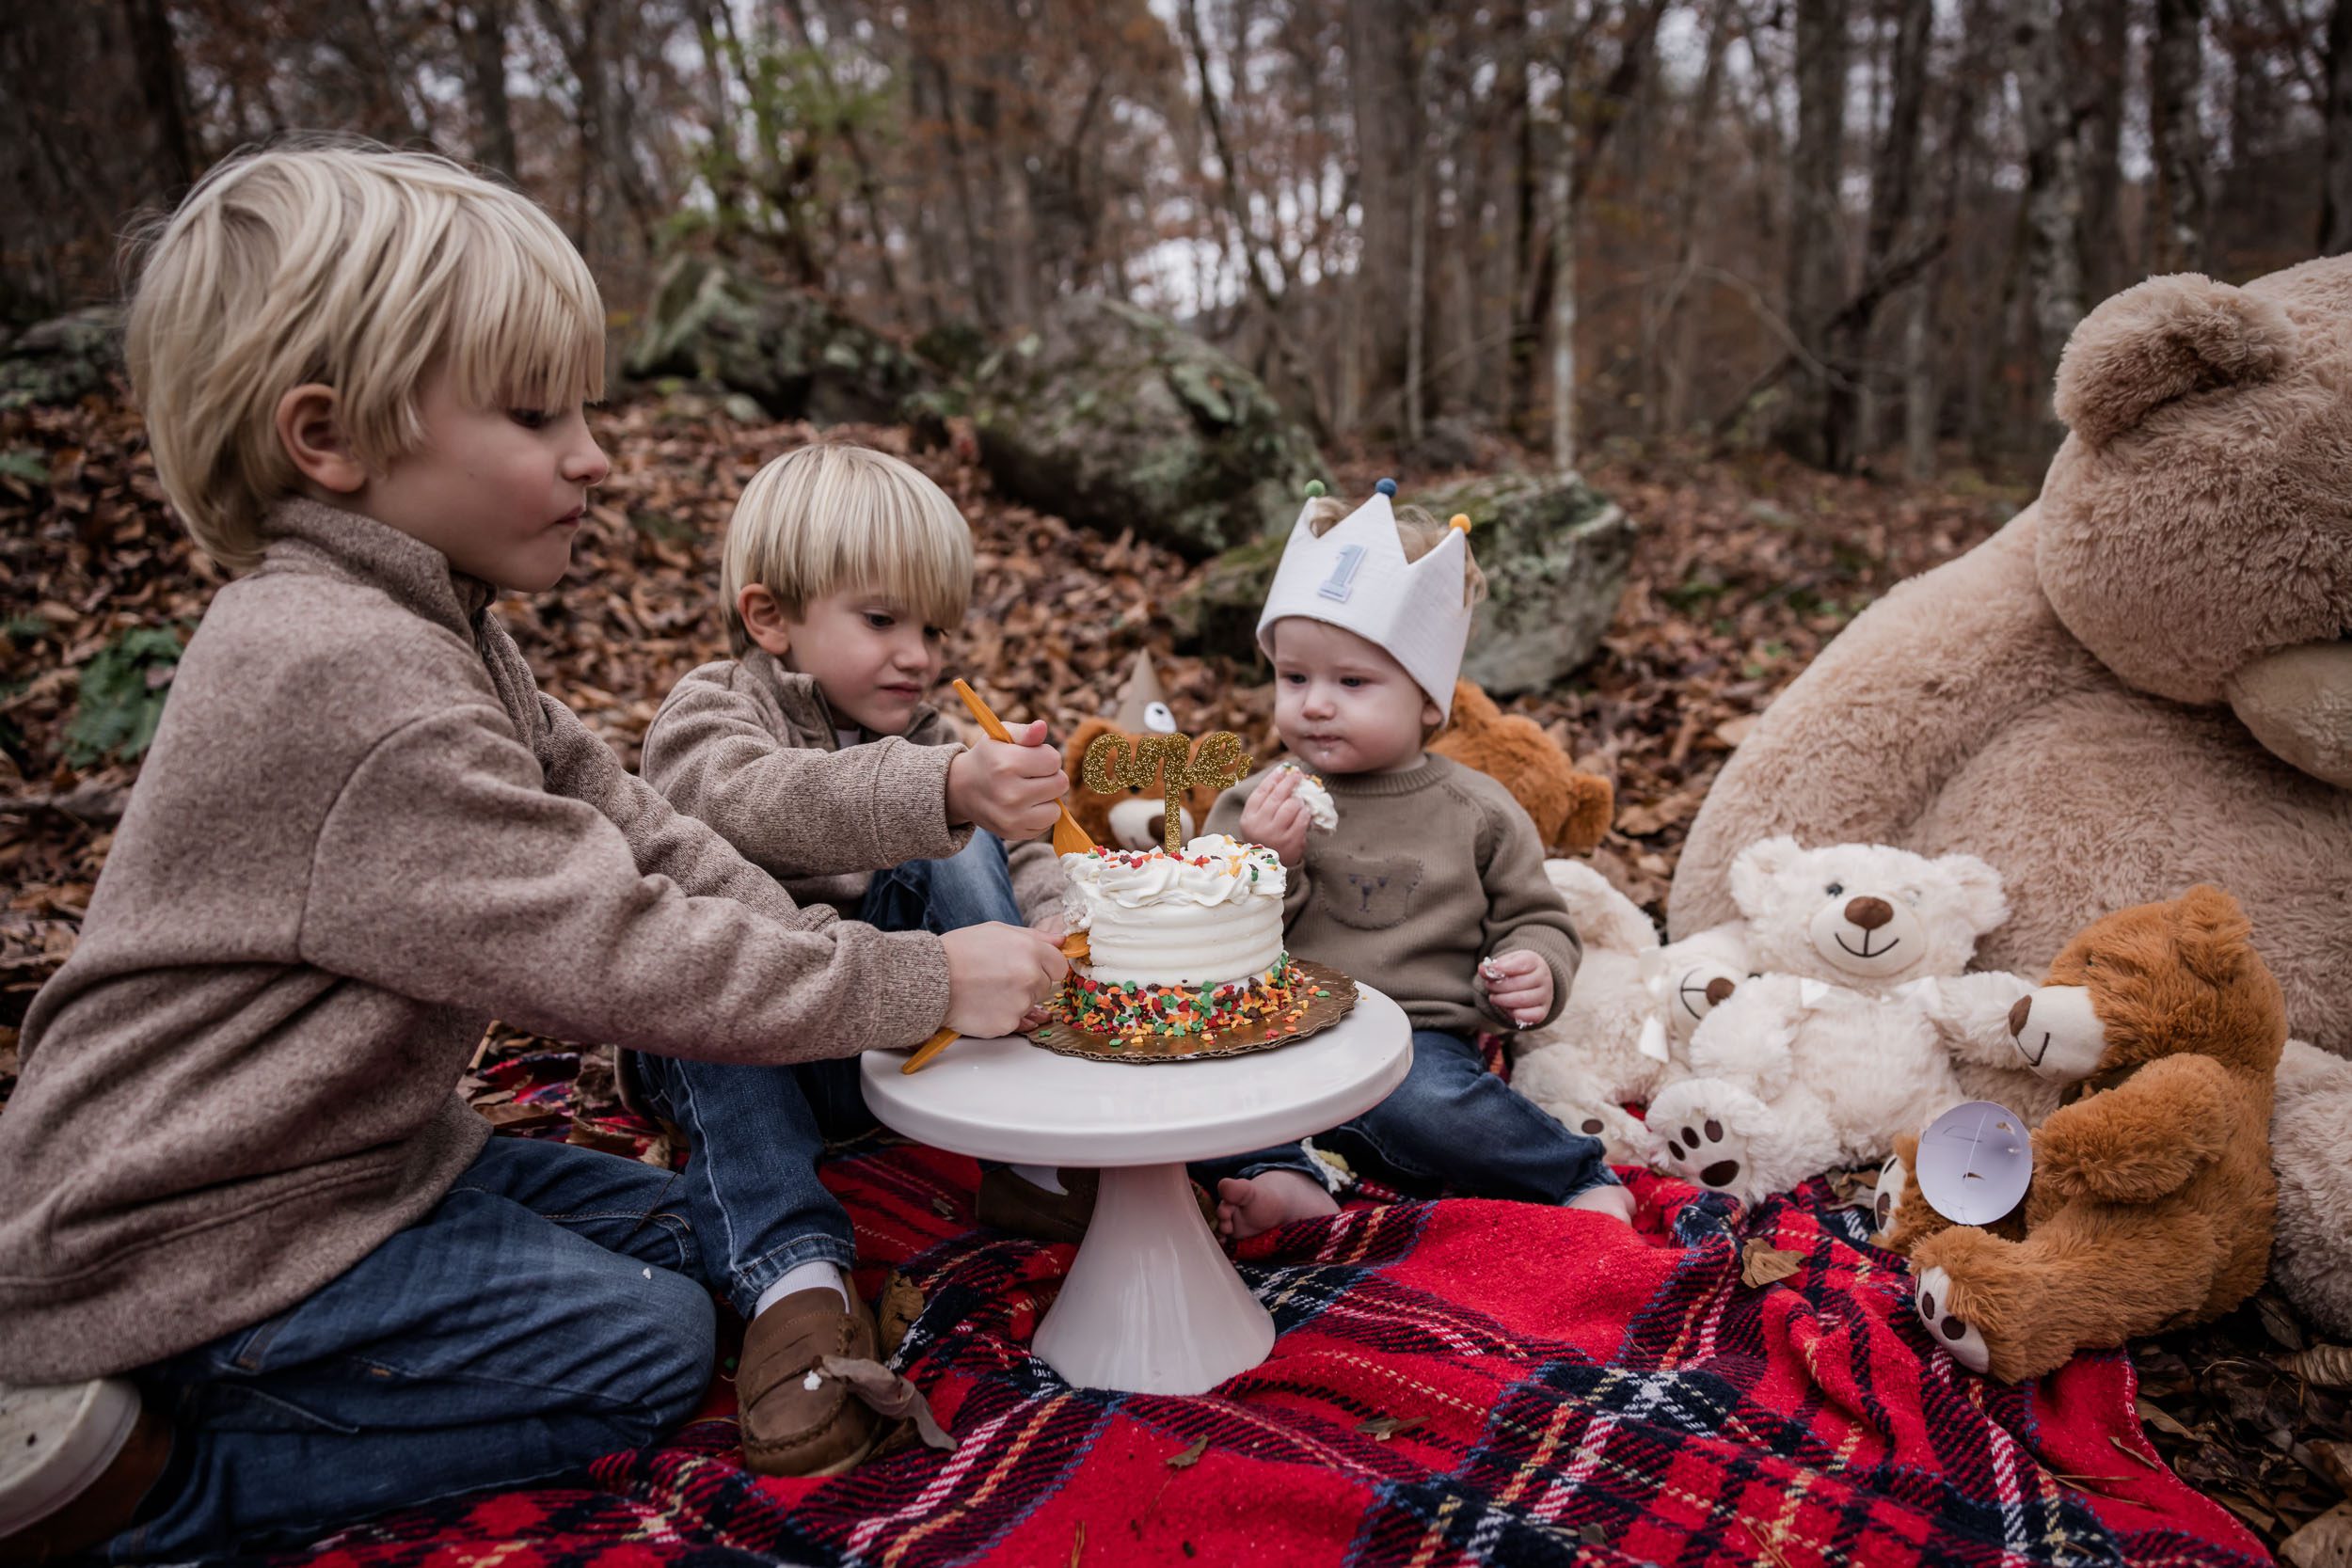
(360, 268)
(831, 517)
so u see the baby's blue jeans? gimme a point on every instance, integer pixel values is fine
(1451, 1124)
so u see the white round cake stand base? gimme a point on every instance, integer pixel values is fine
(1151, 1305)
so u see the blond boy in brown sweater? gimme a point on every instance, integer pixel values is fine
(814, 753)
(238, 1172)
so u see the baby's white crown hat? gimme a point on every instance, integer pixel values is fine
(1355, 578)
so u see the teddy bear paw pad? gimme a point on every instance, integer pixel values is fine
(1702, 1149)
(1955, 1334)
(1886, 1199)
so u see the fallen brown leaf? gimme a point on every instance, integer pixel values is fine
(1190, 1457)
(2326, 1366)
(1762, 1263)
(2325, 1542)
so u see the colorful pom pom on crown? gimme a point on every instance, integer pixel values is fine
(1315, 490)
(1387, 487)
(1460, 520)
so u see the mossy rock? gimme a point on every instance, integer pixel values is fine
(63, 360)
(1116, 418)
(796, 354)
(1555, 553)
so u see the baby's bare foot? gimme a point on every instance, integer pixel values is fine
(1606, 1198)
(1247, 1206)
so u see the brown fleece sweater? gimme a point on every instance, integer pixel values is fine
(1429, 871)
(362, 832)
(751, 749)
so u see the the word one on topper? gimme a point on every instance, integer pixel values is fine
(1168, 763)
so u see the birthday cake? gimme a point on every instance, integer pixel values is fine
(1186, 945)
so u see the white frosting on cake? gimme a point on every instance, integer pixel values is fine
(1322, 813)
(1212, 915)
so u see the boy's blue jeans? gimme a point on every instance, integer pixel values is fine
(553, 1307)
(750, 1186)
(1453, 1123)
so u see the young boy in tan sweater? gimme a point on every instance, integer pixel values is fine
(1430, 884)
(814, 753)
(238, 1172)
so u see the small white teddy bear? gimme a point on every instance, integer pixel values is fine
(1863, 1024)
(1620, 1036)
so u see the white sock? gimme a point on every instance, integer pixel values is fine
(804, 1277)
(1047, 1177)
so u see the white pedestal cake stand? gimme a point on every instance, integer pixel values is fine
(1151, 1305)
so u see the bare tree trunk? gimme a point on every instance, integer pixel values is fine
(1668, 334)
(1380, 61)
(2176, 84)
(482, 38)
(1817, 256)
(2335, 206)
(2054, 192)
(1848, 431)
(1919, 389)
(1520, 369)
(1416, 274)
(1564, 453)
(93, 126)
(2105, 55)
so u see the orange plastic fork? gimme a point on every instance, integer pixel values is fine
(1070, 838)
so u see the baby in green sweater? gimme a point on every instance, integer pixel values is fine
(1432, 881)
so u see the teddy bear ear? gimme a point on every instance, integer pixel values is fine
(2162, 340)
(1980, 892)
(2214, 935)
(1757, 867)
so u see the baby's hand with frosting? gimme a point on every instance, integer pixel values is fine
(1322, 813)
(1275, 817)
(1520, 985)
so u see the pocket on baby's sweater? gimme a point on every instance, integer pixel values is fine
(1369, 894)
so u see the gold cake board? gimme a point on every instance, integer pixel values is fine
(1319, 1013)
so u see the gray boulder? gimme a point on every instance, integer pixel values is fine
(1115, 418)
(1555, 552)
(796, 355)
(63, 360)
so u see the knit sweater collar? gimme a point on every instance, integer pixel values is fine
(800, 698)
(304, 535)
(1424, 774)
(803, 702)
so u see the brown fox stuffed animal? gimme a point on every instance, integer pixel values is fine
(2153, 1198)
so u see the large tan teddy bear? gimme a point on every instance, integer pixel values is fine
(2142, 683)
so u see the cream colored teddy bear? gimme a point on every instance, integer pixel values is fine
(1860, 1026)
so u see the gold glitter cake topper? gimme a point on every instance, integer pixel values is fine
(1117, 762)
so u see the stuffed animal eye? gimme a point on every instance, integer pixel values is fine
(1835, 888)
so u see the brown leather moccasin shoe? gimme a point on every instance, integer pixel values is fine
(790, 1428)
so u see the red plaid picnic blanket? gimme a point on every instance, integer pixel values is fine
(1456, 1383)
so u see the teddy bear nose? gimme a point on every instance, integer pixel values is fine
(1718, 991)
(1156, 829)
(1869, 913)
(2017, 1015)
